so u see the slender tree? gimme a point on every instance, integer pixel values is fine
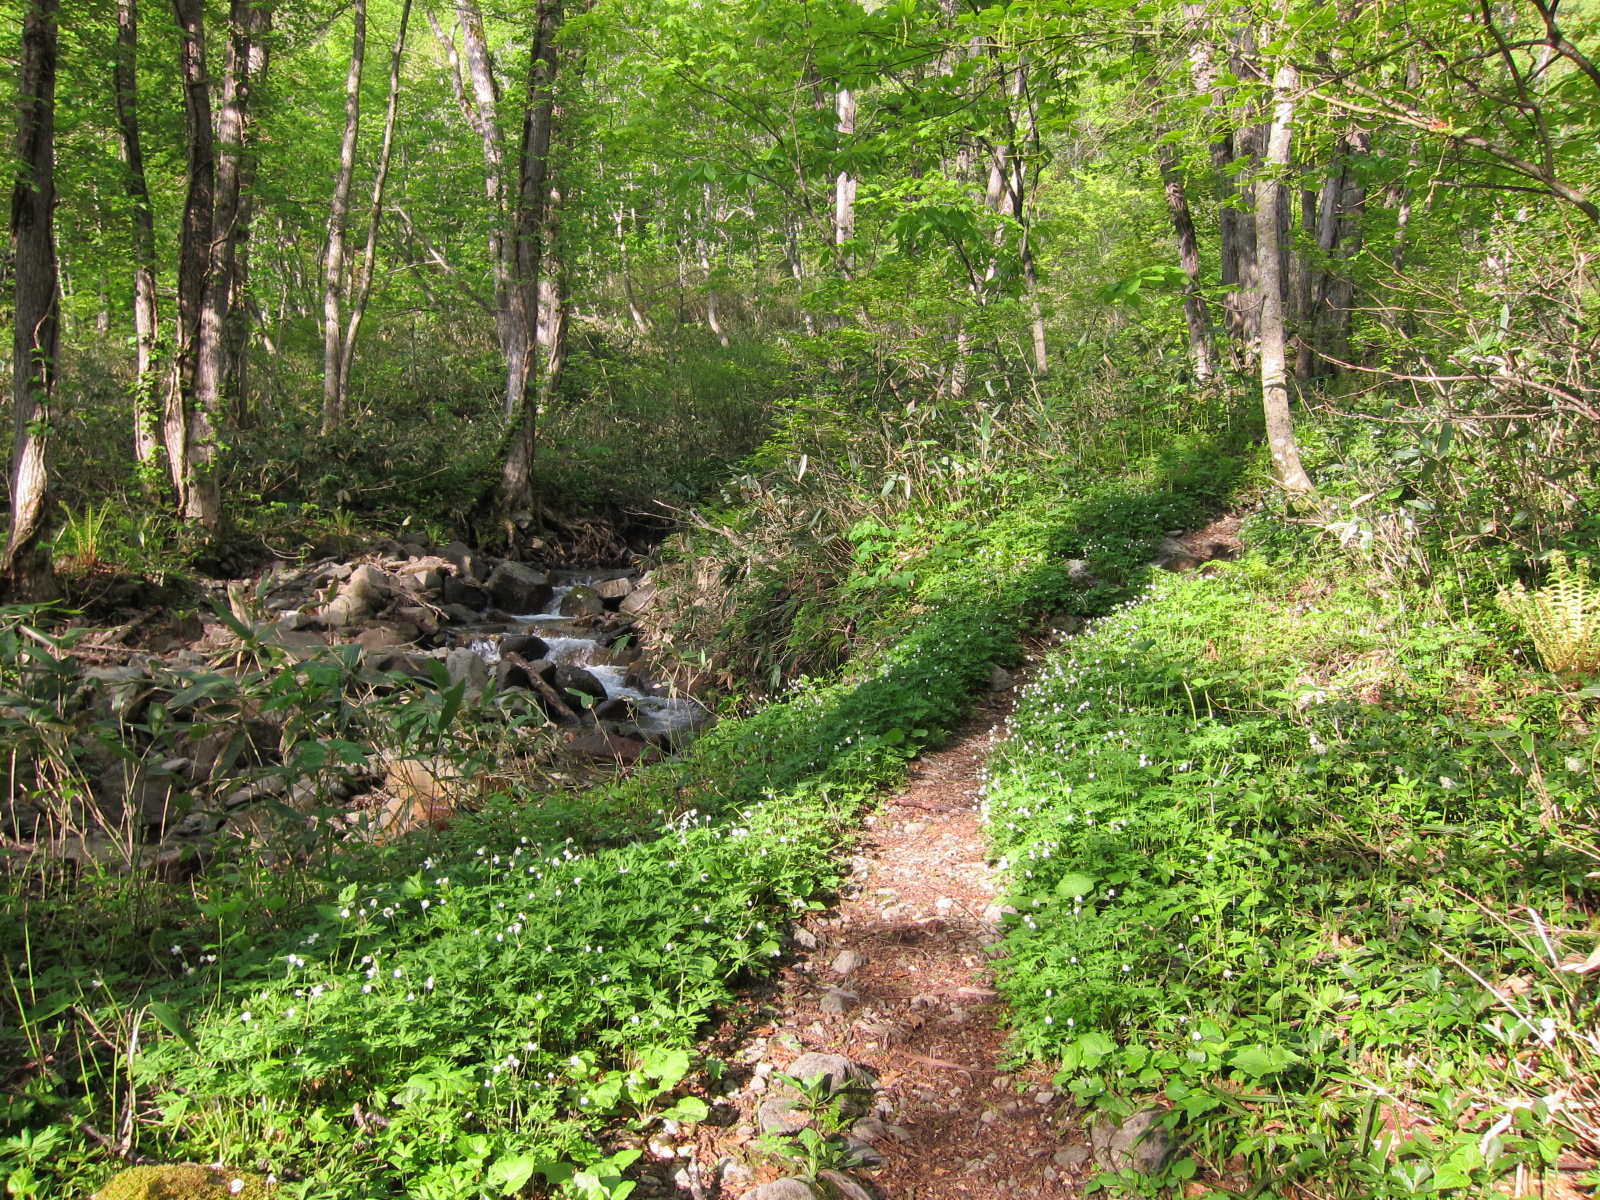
(146, 388)
(532, 223)
(333, 259)
(27, 568)
(369, 258)
(1274, 370)
(194, 250)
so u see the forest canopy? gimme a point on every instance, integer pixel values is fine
(278, 263)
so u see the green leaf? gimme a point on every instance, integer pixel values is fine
(1260, 1061)
(173, 1022)
(1075, 884)
(690, 1108)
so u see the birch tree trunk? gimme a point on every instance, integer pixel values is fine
(146, 389)
(369, 256)
(1274, 375)
(844, 186)
(334, 271)
(28, 573)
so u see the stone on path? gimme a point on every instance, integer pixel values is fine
(847, 963)
(782, 1189)
(1141, 1143)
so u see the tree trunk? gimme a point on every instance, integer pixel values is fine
(146, 388)
(338, 223)
(36, 313)
(369, 257)
(203, 501)
(844, 186)
(241, 308)
(1274, 376)
(1339, 287)
(194, 251)
(1196, 313)
(530, 226)
(641, 324)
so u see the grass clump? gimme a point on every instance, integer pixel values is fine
(1309, 867)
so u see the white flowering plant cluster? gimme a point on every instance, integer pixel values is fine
(1340, 936)
(483, 1012)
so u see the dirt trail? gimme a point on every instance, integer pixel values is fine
(924, 1015)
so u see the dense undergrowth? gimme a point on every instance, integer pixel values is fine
(1307, 858)
(461, 1016)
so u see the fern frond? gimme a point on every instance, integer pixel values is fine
(1562, 617)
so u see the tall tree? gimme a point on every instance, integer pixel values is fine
(36, 312)
(194, 250)
(1274, 367)
(146, 388)
(533, 214)
(333, 259)
(362, 290)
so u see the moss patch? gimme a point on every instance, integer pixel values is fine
(182, 1181)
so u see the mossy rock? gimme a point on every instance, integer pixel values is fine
(184, 1181)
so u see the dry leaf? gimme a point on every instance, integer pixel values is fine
(1583, 966)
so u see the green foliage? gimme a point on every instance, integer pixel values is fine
(1562, 617)
(1294, 856)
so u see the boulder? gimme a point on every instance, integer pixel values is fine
(777, 1115)
(467, 595)
(840, 1186)
(1173, 555)
(508, 675)
(1140, 1143)
(613, 589)
(610, 747)
(1000, 679)
(847, 963)
(639, 599)
(784, 1189)
(525, 645)
(359, 599)
(461, 556)
(387, 637)
(414, 666)
(1079, 575)
(460, 614)
(518, 588)
(640, 673)
(575, 679)
(1065, 623)
(619, 709)
(468, 665)
(422, 618)
(582, 601)
(841, 1072)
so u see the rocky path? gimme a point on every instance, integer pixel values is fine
(898, 980)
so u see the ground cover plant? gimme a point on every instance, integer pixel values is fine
(494, 1007)
(1307, 860)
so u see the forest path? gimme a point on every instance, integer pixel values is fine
(922, 1012)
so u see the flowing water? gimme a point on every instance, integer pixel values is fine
(577, 647)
